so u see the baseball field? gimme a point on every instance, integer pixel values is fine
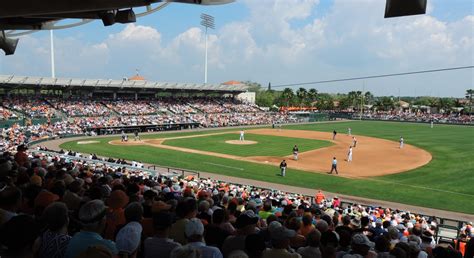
(435, 169)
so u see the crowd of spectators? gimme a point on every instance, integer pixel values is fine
(83, 107)
(131, 107)
(55, 206)
(31, 107)
(453, 118)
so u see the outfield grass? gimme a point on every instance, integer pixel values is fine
(267, 145)
(445, 183)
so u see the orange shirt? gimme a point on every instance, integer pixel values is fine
(319, 197)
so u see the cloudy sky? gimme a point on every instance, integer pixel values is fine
(282, 41)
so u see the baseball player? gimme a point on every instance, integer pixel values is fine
(242, 135)
(349, 154)
(333, 166)
(349, 131)
(431, 123)
(354, 141)
(123, 136)
(295, 152)
(137, 137)
(334, 133)
(401, 142)
(283, 168)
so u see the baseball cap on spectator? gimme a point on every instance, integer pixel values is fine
(162, 220)
(247, 218)
(118, 199)
(128, 238)
(160, 206)
(355, 222)
(194, 227)
(280, 233)
(45, 198)
(361, 239)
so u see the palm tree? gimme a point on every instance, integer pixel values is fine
(287, 96)
(302, 95)
(469, 95)
(312, 95)
(368, 98)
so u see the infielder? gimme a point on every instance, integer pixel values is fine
(334, 133)
(401, 142)
(137, 137)
(354, 141)
(242, 135)
(283, 168)
(349, 131)
(349, 154)
(295, 152)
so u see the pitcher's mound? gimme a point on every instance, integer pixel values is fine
(241, 142)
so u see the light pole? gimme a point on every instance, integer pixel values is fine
(208, 22)
(53, 69)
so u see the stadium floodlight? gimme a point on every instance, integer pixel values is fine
(208, 22)
(397, 8)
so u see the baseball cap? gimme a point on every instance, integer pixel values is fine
(160, 206)
(246, 218)
(280, 233)
(128, 237)
(194, 227)
(361, 239)
(162, 220)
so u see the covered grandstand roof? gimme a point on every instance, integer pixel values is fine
(31, 81)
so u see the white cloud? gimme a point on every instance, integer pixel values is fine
(280, 41)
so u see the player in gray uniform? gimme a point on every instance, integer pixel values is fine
(295, 152)
(401, 142)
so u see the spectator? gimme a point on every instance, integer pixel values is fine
(281, 242)
(92, 217)
(311, 250)
(185, 211)
(129, 237)
(54, 241)
(10, 202)
(17, 235)
(194, 231)
(160, 245)
(246, 225)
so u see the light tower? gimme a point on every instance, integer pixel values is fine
(208, 22)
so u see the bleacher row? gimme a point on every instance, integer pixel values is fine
(72, 205)
(35, 107)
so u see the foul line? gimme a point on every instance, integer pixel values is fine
(224, 166)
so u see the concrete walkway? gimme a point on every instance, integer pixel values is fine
(54, 145)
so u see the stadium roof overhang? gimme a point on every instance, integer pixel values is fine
(12, 81)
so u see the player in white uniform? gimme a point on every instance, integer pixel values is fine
(431, 123)
(349, 154)
(242, 135)
(354, 141)
(349, 131)
(401, 142)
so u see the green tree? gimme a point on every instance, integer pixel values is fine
(385, 103)
(469, 97)
(325, 102)
(302, 95)
(312, 95)
(287, 96)
(253, 86)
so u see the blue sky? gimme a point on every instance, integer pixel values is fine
(282, 41)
